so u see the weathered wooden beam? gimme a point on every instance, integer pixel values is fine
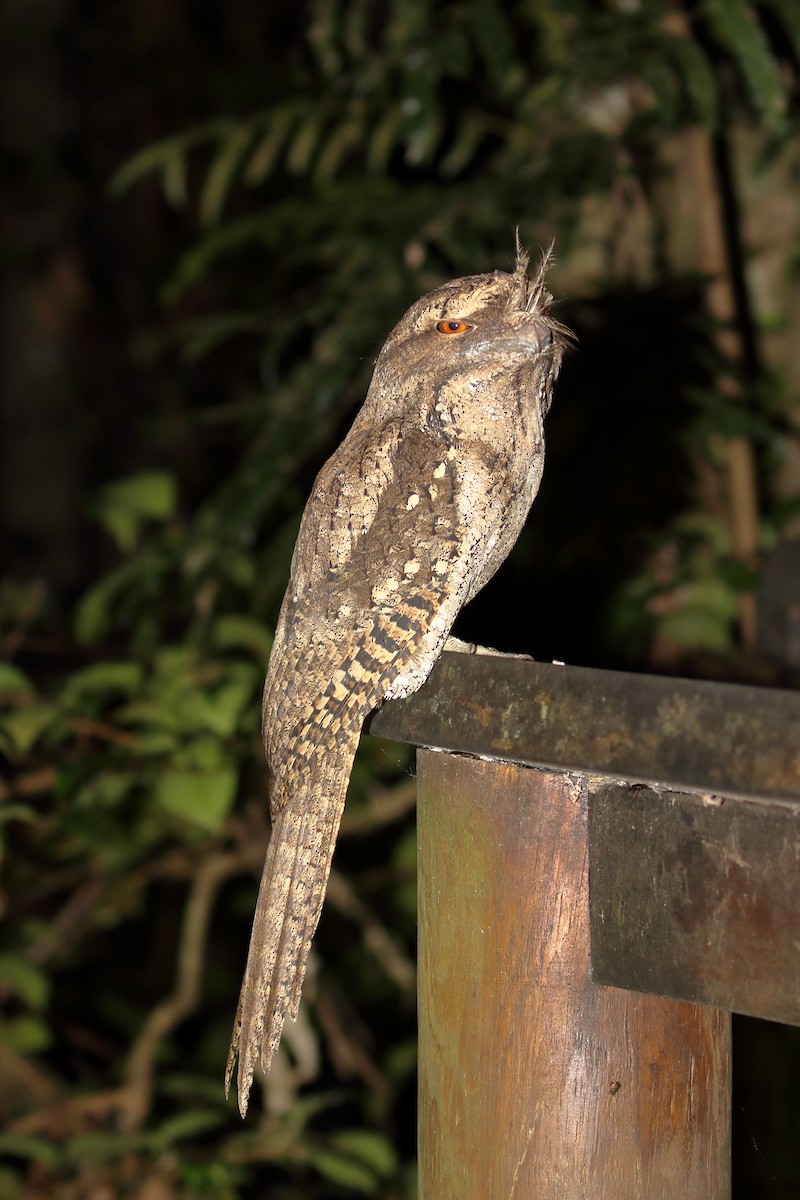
(678, 733)
(694, 893)
(537, 1083)
(697, 897)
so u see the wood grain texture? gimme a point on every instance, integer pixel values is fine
(535, 1082)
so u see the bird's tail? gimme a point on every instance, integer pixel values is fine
(304, 828)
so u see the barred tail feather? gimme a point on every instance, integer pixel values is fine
(320, 871)
(289, 903)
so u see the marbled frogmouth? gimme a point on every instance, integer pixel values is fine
(411, 516)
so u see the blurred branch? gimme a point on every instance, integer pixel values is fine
(20, 1078)
(183, 1000)
(346, 1051)
(70, 1113)
(103, 731)
(80, 902)
(382, 945)
(383, 807)
(33, 783)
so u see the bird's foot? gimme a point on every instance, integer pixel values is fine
(459, 647)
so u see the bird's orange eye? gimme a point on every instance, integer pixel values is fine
(453, 326)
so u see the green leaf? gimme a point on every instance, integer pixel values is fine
(272, 142)
(219, 711)
(699, 79)
(401, 1060)
(13, 680)
(203, 336)
(424, 138)
(148, 161)
(712, 596)
(26, 1035)
(201, 754)
(173, 179)
(24, 980)
(155, 743)
(369, 1147)
(166, 156)
(10, 1185)
(339, 141)
(324, 29)
(385, 136)
(186, 709)
(698, 628)
(471, 131)
(36, 1149)
(453, 52)
(125, 677)
(93, 614)
(490, 29)
(18, 812)
(787, 13)
(203, 799)
(344, 1171)
(232, 632)
(107, 790)
(23, 728)
(196, 263)
(736, 25)
(160, 718)
(123, 507)
(705, 528)
(215, 712)
(175, 662)
(301, 150)
(186, 1124)
(223, 169)
(101, 1147)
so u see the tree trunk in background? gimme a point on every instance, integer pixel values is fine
(701, 183)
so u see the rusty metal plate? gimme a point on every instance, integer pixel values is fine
(679, 733)
(697, 898)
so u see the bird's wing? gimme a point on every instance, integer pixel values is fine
(387, 554)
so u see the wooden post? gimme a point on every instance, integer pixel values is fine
(536, 1083)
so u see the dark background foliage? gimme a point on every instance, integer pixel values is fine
(213, 213)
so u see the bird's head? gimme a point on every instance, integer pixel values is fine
(481, 327)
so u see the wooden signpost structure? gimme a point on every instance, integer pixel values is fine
(609, 865)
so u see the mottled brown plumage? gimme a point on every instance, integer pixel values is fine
(408, 519)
